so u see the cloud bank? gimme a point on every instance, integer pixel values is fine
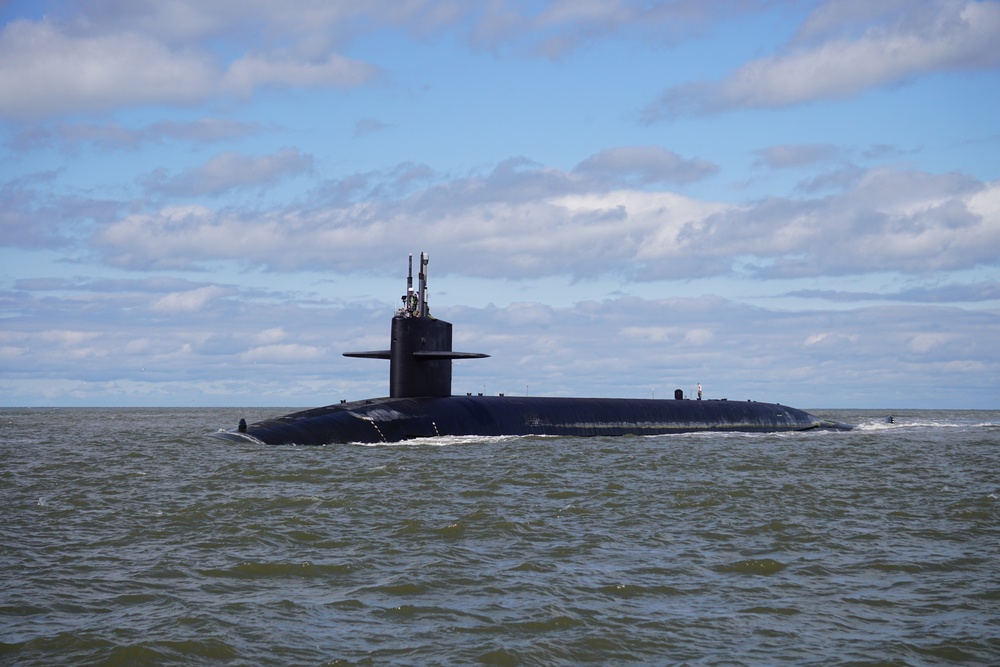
(827, 60)
(544, 221)
(202, 202)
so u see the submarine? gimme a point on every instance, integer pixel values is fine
(420, 403)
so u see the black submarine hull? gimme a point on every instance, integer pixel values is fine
(397, 419)
(421, 405)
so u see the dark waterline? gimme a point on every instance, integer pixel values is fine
(129, 537)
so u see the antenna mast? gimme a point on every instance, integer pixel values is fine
(424, 311)
(420, 353)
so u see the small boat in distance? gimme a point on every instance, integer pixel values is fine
(420, 403)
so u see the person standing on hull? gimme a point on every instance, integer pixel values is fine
(699, 391)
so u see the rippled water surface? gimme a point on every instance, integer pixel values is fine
(129, 537)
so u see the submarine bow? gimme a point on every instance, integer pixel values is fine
(420, 402)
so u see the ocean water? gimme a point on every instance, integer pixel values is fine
(128, 536)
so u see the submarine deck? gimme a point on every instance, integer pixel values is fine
(396, 419)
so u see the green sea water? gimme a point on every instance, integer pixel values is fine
(128, 536)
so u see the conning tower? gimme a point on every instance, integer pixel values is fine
(420, 351)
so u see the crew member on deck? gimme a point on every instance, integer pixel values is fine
(411, 301)
(699, 391)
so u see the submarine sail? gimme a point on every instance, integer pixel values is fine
(420, 354)
(420, 402)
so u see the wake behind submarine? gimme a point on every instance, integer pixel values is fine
(420, 403)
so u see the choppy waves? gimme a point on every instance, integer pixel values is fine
(132, 538)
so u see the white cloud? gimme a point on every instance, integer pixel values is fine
(272, 335)
(927, 341)
(672, 335)
(180, 236)
(256, 70)
(47, 69)
(796, 155)
(71, 137)
(283, 354)
(542, 222)
(889, 221)
(111, 292)
(98, 56)
(230, 170)
(828, 339)
(187, 301)
(944, 35)
(834, 18)
(313, 22)
(613, 347)
(554, 29)
(644, 165)
(66, 337)
(44, 70)
(523, 313)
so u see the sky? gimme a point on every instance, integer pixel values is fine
(205, 202)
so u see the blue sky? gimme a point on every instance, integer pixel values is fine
(205, 203)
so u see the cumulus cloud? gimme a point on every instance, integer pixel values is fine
(72, 60)
(950, 293)
(315, 22)
(213, 339)
(230, 170)
(187, 301)
(837, 179)
(22, 225)
(534, 233)
(71, 137)
(537, 221)
(788, 356)
(796, 155)
(554, 29)
(262, 70)
(827, 61)
(889, 221)
(100, 55)
(368, 126)
(203, 130)
(282, 354)
(47, 68)
(31, 217)
(644, 165)
(395, 182)
(540, 221)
